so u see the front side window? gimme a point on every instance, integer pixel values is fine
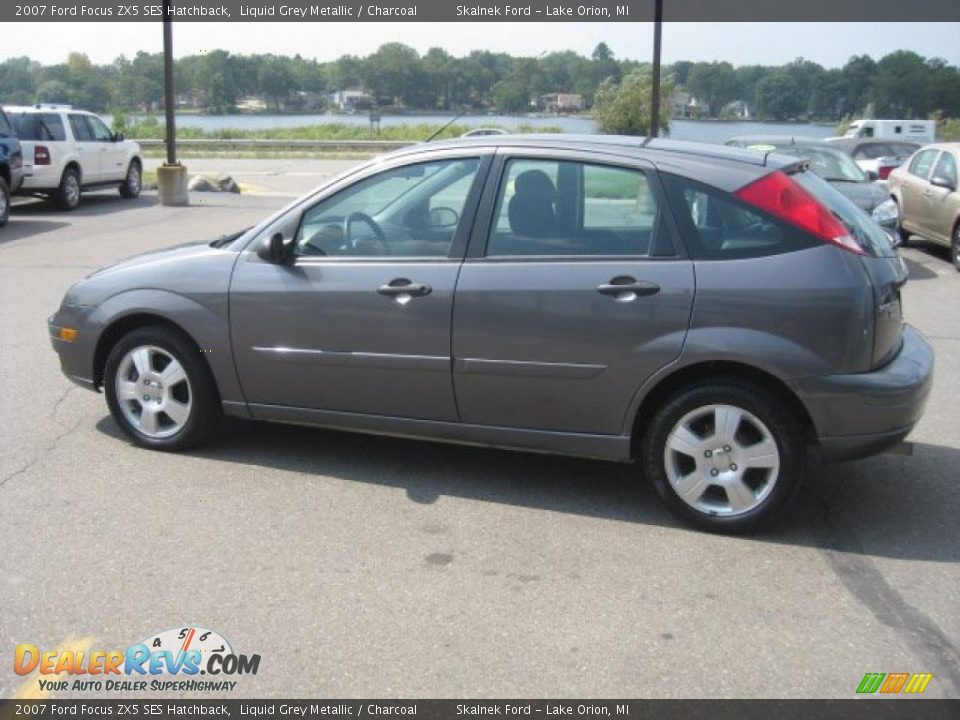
(922, 162)
(80, 128)
(947, 168)
(410, 212)
(562, 208)
(99, 131)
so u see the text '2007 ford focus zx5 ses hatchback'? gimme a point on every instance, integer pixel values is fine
(710, 312)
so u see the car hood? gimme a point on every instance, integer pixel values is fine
(865, 195)
(178, 253)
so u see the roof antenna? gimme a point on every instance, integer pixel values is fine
(460, 115)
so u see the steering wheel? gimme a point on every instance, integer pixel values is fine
(358, 216)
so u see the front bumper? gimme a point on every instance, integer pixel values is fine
(863, 414)
(76, 356)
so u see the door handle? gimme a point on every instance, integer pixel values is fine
(402, 286)
(626, 288)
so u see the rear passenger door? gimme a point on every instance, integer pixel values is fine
(87, 150)
(111, 153)
(571, 296)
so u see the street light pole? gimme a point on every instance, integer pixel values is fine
(172, 179)
(168, 89)
(655, 99)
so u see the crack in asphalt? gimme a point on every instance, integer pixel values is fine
(849, 561)
(50, 446)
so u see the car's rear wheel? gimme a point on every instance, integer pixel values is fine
(67, 195)
(724, 456)
(4, 202)
(159, 390)
(133, 182)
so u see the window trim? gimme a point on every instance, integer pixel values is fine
(486, 217)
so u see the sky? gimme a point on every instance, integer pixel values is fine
(830, 44)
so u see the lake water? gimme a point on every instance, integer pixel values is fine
(712, 131)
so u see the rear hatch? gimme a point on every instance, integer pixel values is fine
(885, 269)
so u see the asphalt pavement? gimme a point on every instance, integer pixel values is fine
(360, 566)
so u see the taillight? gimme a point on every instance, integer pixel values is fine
(786, 200)
(883, 172)
(41, 156)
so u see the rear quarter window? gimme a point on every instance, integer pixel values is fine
(717, 226)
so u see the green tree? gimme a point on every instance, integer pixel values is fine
(778, 97)
(624, 108)
(714, 83)
(901, 87)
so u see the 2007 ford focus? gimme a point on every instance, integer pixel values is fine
(710, 313)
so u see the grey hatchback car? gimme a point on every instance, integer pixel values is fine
(709, 312)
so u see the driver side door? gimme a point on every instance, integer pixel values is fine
(359, 320)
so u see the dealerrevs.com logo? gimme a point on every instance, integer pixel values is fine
(167, 661)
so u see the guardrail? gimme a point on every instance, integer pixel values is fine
(275, 144)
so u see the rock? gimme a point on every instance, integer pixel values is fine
(227, 184)
(198, 183)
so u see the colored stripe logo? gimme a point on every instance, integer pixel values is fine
(892, 683)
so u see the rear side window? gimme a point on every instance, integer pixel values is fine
(922, 162)
(717, 226)
(80, 128)
(563, 208)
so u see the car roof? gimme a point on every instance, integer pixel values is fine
(851, 143)
(625, 145)
(45, 108)
(797, 140)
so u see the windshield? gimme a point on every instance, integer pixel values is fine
(829, 164)
(870, 236)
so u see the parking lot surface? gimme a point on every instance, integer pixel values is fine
(367, 566)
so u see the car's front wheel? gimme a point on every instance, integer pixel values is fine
(133, 181)
(724, 456)
(159, 390)
(4, 202)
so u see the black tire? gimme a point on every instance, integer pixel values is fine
(205, 406)
(133, 181)
(67, 195)
(4, 202)
(782, 426)
(955, 247)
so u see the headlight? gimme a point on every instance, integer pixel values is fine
(886, 212)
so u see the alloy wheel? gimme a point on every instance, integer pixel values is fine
(721, 460)
(153, 391)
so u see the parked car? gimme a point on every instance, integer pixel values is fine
(925, 190)
(920, 131)
(483, 132)
(68, 151)
(837, 168)
(706, 311)
(11, 166)
(877, 158)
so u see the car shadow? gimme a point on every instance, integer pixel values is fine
(918, 271)
(888, 506)
(929, 249)
(93, 203)
(19, 228)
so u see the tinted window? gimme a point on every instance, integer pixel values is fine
(717, 226)
(870, 236)
(872, 151)
(50, 127)
(5, 128)
(947, 168)
(100, 132)
(922, 162)
(562, 208)
(904, 149)
(80, 128)
(412, 211)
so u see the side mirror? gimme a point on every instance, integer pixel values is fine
(944, 182)
(118, 137)
(274, 250)
(872, 175)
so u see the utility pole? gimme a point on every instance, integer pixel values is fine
(171, 176)
(655, 99)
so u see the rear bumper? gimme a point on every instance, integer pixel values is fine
(865, 413)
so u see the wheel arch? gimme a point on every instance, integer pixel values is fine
(716, 371)
(73, 165)
(122, 326)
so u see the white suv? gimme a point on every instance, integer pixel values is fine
(67, 151)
